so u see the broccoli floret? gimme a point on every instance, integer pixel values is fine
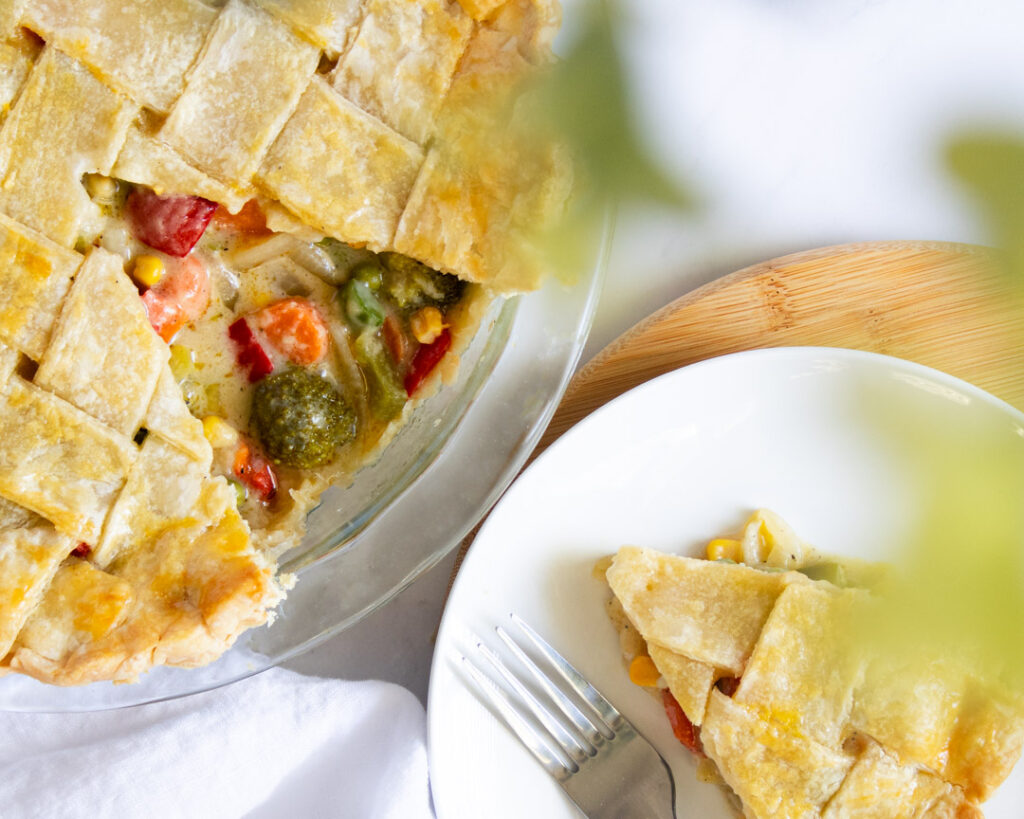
(300, 418)
(413, 285)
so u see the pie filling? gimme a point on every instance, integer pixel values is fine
(298, 356)
(239, 240)
(746, 652)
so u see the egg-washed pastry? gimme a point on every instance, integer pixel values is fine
(238, 242)
(750, 652)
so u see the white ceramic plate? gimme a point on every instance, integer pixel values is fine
(669, 465)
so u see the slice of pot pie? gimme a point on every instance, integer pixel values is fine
(749, 651)
(238, 242)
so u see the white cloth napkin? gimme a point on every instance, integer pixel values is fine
(276, 745)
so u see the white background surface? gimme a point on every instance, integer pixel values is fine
(799, 123)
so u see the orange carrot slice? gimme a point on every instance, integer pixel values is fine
(250, 220)
(296, 329)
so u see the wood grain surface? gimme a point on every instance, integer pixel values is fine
(944, 305)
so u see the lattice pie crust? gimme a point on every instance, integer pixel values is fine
(333, 113)
(813, 729)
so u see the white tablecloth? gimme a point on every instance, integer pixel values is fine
(278, 744)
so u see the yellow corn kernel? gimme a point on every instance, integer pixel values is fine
(723, 548)
(426, 324)
(99, 187)
(643, 671)
(260, 297)
(148, 270)
(219, 432)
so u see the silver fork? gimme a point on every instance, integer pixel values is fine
(601, 762)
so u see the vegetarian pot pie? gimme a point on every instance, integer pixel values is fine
(746, 651)
(238, 241)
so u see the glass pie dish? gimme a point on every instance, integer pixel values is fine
(403, 513)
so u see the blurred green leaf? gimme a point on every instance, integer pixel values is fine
(990, 165)
(584, 101)
(958, 588)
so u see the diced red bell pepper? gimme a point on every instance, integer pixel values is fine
(251, 355)
(82, 550)
(255, 471)
(426, 358)
(686, 732)
(171, 224)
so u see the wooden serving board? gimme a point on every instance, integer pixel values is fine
(944, 305)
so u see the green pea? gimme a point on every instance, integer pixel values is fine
(369, 273)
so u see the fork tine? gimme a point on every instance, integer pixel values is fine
(595, 733)
(552, 763)
(568, 743)
(573, 677)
